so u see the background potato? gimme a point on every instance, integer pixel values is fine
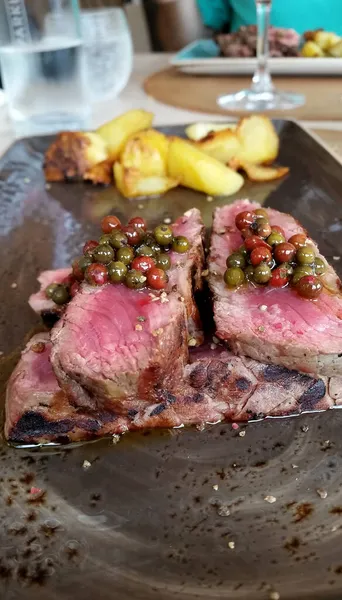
(131, 183)
(201, 172)
(198, 131)
(116, 132)
(222, 145)
(325, 39)
(72, 154)
(147, 152)
(258, 173)
(311, 50)
(259, 142)
(336, 50)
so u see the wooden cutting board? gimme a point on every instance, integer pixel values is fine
(199, 93)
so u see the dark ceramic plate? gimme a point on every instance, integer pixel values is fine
(175, 514)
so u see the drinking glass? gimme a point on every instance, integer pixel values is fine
(42, 65)
(108, 51)
(262, 95)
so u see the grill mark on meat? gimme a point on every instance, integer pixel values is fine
(157, 410)
(198, 376)
(312, 395)
(50, 317)
(32, 424)
(132, 412)
(283, 376)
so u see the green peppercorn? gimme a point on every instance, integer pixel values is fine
(261, 213)
(243, 250)
(320, 266)
(305, 255)
(262, 273)
(103, 254)
(118, 239)
(144, 250)
(236, 260)
(163, 235)
(249, 273)
(275, 238)
(117, 271)
(60, 294)
(163, 262)
(85, 261)
(180, 244)
(105, 239)
(300, 272)
(135, 279)
(234, 276)
(49, 290)
(125, 255)
(151, 242)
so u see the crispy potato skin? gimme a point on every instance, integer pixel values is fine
(222, 145)
(199, 131)
(115, 133)
(146, 151)
(132, 184)
(195, 169)
(73, 155)
(259, 173)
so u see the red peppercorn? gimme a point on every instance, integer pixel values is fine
(76, 271)
(109, 223)
(284, 252)
(247, 232)
(89, 246)
(96, 274)
(280, 277)
(259, 255)
(279, 230)
(132, 234)
(244, 219)
(68, 281)
(74, 288)
(157, 278)
(309, 287)
(138, 222)
(254, 241)
(298, 240)
(143, 263)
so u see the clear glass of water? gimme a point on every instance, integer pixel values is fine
(42, 66)
(108, 51)
(262, 95)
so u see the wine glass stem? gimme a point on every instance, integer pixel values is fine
(262, 81)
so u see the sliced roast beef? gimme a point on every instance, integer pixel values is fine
(215, 386)
(270, 324)
(116, 343)
(47, 309)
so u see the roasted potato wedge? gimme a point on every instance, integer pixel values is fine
(259, 141)
(336, 50)
(131, 183)
(311, 50)
(326, 39)
(201, 172)
(115, 133)
(102, 173)
(259, 173)
(198, 131)
(222, 145)
(147, 152)
(73, 154)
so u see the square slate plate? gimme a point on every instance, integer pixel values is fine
(174, 514)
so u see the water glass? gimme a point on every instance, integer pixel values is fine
(42, 66)
(108, 51)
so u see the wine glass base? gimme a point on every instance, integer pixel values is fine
(249, 100)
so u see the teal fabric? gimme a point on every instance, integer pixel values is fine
(300, 15)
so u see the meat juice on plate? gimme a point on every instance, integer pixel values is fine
(45, 85)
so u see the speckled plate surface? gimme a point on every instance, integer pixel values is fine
(176, 514)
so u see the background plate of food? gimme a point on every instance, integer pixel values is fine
(316, 53)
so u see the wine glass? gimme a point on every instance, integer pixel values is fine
(262, 95)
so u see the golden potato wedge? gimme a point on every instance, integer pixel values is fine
(115, 133)
(311, 50)
(259, 173)
(259, 141)
(336, 50)
(222, 145)
(198, 131)
(101, 173)
(201, 172)
(131, 184)
(72, 154)
(147, 152)
(326, 39)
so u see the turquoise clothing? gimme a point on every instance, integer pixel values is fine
(300, 15)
